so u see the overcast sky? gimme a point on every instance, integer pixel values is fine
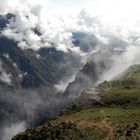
(70, 4)
(57, 19)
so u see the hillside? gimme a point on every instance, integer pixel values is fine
(117, 119)
(28, 68)
(96, 65)
(125, 89)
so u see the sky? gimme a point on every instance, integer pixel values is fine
(119, 8)
(57, 20)
(70, 5)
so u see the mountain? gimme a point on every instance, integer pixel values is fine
(46, 66)
(5, 20)
(28, 68)
(123, 90)
(97, 64)
(117, 118)
(86, 42)
(98, 111)
(131, 73)
(33, 74)
(28, 80)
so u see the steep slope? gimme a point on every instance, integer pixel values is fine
(29, 68)
(132, 72)
(116, 119)
(34, 69)
(91, 73)
(124, 89)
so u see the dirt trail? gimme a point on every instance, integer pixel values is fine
(108, 125)
(104, 125)
(94, 95)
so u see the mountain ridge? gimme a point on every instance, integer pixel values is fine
(117, 119)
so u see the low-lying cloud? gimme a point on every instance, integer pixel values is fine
(13, 129)
(23, 109)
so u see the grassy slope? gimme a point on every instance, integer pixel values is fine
(119, 119)
(125, 90)
(108, 122)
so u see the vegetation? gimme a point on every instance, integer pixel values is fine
(54, 131)
(125, 90)
(117, 119)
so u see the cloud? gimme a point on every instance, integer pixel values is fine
(22, 109)
(12, 130)
(31, 15)
(35, 26)
(4, 76)
(62, 85)
(54, 28)
(58, 28)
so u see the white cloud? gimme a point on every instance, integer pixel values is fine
(4, 76)
(105, 22)
(13, 129)
(61, 86)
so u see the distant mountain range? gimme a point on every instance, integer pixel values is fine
(29, 68)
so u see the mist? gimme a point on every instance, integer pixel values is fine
(12, 130)
(24, 109)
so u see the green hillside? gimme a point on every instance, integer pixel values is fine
(113, 115)
(125, 90)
